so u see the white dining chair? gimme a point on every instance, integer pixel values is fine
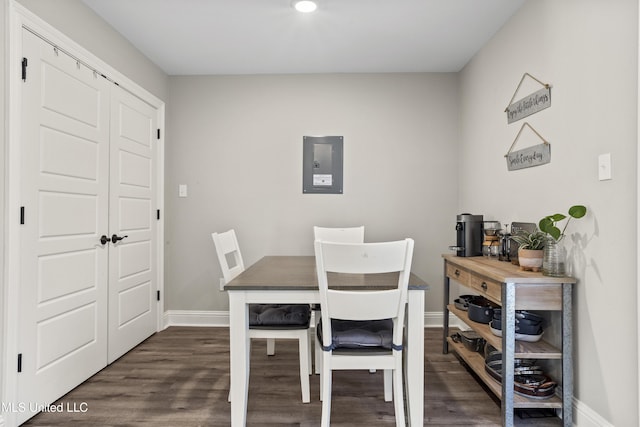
(342, 235)
(333, 234)
(363, 329)
(269, 321)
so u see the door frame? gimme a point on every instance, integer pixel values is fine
(19, 17)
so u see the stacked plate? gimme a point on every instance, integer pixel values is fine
(529, 378)
(528, 326)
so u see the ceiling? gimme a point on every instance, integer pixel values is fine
(203, 37)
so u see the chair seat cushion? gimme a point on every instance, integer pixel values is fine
(279, 316)
(355, 334)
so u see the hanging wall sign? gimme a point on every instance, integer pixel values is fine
(528, 157)
(530, 104)
(533, 156)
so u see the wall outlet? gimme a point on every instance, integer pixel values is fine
(182, 190)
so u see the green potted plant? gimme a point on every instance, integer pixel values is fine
(530, 249)
(553, 262)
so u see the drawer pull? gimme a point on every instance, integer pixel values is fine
(457, 272)
(484, 286)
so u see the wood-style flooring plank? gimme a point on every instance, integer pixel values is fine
(180, 377)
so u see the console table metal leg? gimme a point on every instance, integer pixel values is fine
(508, 351)
(567, 352)
(445, 320)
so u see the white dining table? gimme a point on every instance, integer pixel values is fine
(293, 280)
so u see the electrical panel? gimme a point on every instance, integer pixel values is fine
(322, 164)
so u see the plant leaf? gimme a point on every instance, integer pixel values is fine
(577, 211)
(521, 239)
(544, 224)
(554, 232)
(557, 217)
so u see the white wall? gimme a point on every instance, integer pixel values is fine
(237, 144)
(588, 51)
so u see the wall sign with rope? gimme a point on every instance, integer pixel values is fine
(530, 104)
(535, 155)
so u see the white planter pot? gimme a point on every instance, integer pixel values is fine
(530, 259)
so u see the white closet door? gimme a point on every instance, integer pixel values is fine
(132, 261)
(64, 190)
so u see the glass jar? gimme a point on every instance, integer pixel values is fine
(495, 250)
(486, 250)
(553, 261)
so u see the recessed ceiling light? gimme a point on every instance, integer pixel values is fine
(305, 6)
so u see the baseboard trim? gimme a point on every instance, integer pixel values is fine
(433, 319)
(196, 318)
(583, 415)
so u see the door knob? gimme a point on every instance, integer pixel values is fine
(104, 239)
(115, 238)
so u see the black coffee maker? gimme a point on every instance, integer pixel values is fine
(468, 235)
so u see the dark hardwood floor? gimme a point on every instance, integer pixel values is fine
(180, 377)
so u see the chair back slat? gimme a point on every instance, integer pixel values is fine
(227, 249)
(343, 235)
(362, 305)
(369, 258)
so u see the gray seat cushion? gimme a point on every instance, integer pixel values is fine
(269, 316)
(354, 334)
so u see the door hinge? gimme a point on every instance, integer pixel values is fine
(24, 69)
(158, 133)
(158, 295)
(19, 362)
(158, 214)
(21, 215)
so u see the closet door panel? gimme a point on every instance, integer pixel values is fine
(85, 106)
(132, 261)
(64, 192)
(66, 274)
(134, 213)
(68, 214)
(54, 142)
(135, 171)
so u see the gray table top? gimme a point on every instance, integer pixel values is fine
(299, 273)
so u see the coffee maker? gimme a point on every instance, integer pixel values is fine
(468, 235)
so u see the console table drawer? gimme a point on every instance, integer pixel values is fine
(488, 288)
(458, 274)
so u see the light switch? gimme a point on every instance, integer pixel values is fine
(182, 190)
(604, 167)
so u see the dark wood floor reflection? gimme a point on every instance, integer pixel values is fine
(180, 377)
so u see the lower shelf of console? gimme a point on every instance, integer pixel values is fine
(475, 361)
(523, 349)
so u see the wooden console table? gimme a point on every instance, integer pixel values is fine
(513, 289)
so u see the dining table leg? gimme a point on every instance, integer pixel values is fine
(414, 356)
(239, 357)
